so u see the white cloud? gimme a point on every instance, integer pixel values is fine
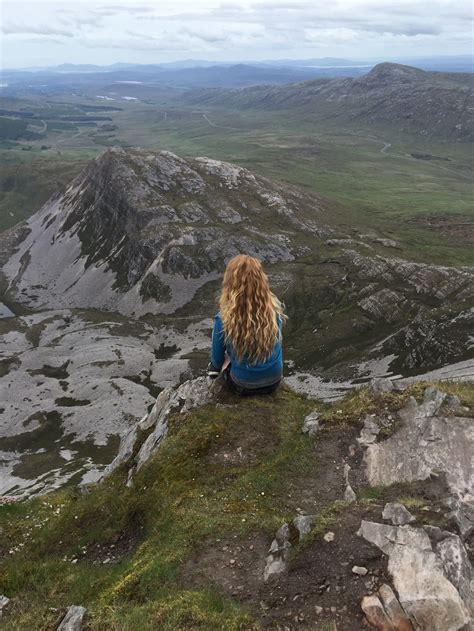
(235, 30)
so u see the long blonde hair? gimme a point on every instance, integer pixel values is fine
(249, 309)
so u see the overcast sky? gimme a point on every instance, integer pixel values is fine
(50, 33)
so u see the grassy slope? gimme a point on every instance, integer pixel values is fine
(369, 189)
(186, 497)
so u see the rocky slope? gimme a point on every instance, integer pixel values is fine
(148, 235)
(433, 104)
(141, 232)
(264, 513)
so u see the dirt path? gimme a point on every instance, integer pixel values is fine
(212, 124)
(385, 148)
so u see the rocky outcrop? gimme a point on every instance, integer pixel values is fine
(134, 451)
(140, 232)
(421, 577)
(427, 443)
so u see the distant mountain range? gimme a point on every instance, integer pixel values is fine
(434, 104)
(195, 74)
(449, 63)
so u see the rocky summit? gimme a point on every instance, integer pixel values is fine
(226, 513)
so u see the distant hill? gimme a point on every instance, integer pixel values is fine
(434, 104)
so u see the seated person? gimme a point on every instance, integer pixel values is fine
(246, 338)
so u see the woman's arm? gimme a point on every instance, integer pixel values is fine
(218, 345)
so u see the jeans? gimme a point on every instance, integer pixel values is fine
(248, 391)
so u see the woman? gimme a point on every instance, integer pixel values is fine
(246, 338)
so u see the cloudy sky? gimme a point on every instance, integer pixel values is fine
(49, 33)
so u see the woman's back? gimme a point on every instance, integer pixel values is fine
(246, 337)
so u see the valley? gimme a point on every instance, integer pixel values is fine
(367, 230)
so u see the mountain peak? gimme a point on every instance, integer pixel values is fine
(388, 72)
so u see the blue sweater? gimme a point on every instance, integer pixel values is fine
(244, 374)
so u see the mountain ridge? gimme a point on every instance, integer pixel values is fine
(433, 104)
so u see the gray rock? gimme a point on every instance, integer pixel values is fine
(360, 571)
(426, 444)
(380, 386)
(72, 621)
(463, 514)
(457, 567)
(311, 423)
(425, 592)
(397, 514)
(127, 443)
(349, 494)
(369, 432)
(3, 604)
(276, 562)
(303, 524)
(190, 394)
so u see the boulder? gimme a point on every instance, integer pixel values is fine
(394, 610)
(188, 395)
(424, 590)
(428, 443)
(72, 621)
(375, 613)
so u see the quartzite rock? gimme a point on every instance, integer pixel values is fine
(72, 621)
(425, 592)
(397, 514)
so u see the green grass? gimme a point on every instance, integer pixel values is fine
(181, 499)
(185, 500)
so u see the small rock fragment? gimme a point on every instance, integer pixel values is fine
(278, 553)
(3, 604)
(349, 494)
(311, 423)
(329, 536)
(72, 621)
(303, 524)
(397, 514)
(360, 571)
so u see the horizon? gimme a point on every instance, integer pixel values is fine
(47, 34)
(213, 63)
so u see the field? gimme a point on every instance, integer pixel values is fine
(408, 189)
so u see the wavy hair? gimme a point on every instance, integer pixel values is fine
(249, 309)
